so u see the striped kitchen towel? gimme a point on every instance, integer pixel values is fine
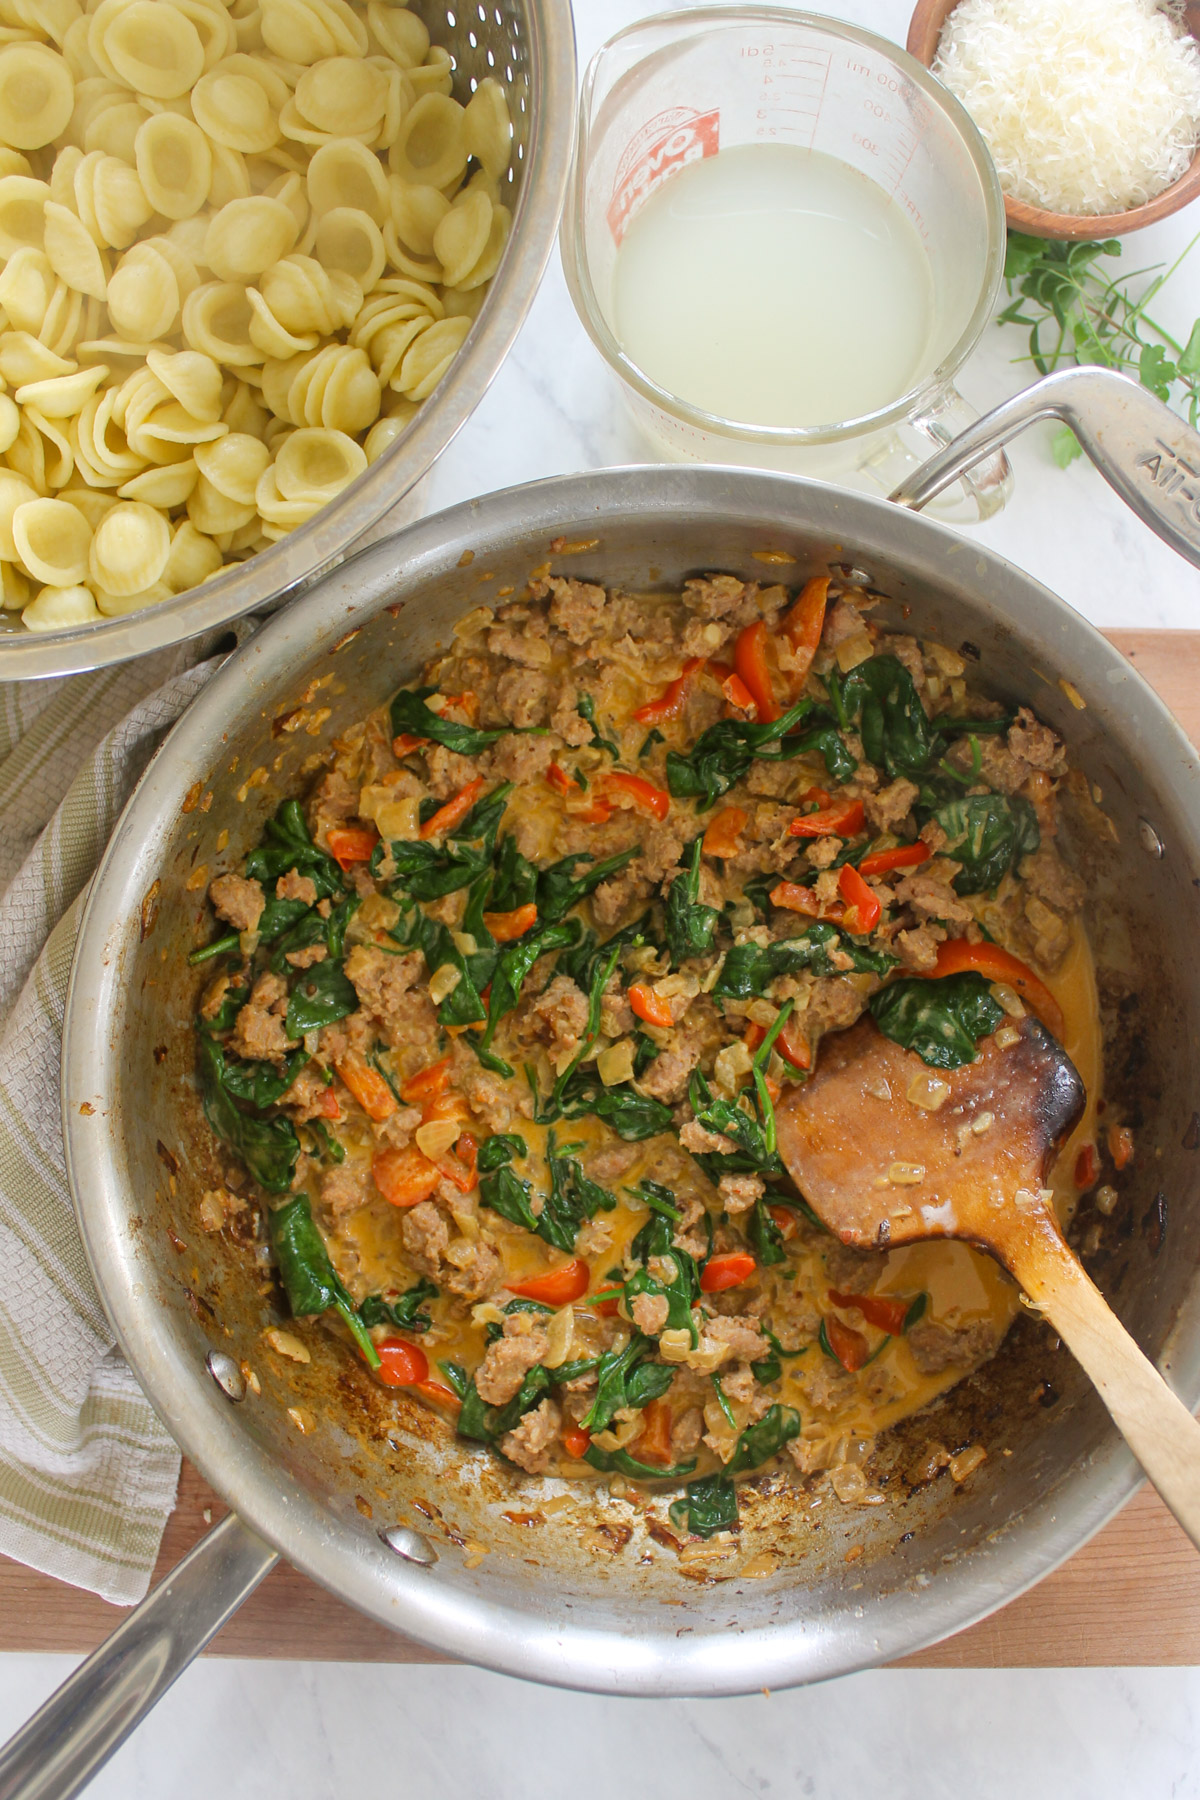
(87, 1472)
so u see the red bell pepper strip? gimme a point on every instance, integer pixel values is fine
(877, 1309)
(350, 844)
(405, 1177)
(558, 778)
(995, 964)
(724, 833)
(367, 1085)
(816, 797)
(455, 811)
(673, 699)
(648, 1006)
(459, 1168)
(904, 856)
(738, 694)
(505, 926)
(803, 627)
(850, 1347)
(643, 793)
(750, 661)
(793, 898)
(843, 819)
(401, 1364)
(404, 744)
(654, 1442)
(426, 1082)
(858, 896)
(558, 1287)
(721, 1272)
(575, 1441)
(793, 1048)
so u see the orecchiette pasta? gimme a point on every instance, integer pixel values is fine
(52, 539)
(174, 164)
(130, 547)
(241, 241)
(37, 96)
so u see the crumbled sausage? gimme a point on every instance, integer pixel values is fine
(576, 607)
(929, 893)
(294, 886)
(891, 805)
(345, 1188)
(529, 1445)
(741, 1334)
(649, 1313)
(426, 1237)
(509, 1359)
(919, 948)
(237, 900)
(259, 1033)
(739, 1192)
(522, 696)
(385, 986)
(559, 1016)
(1035, 743)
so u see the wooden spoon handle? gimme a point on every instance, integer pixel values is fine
(1152, 1419)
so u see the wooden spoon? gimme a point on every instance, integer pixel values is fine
(882, 1170)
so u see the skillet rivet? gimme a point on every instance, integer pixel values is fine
(226, 1374)
(409, 1544)
(1151, 843)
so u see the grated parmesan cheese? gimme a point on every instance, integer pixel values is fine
(1086, 108)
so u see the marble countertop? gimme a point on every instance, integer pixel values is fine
(251, 1730)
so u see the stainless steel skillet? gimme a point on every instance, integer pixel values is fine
(371, 1498)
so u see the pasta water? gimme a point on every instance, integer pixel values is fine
(775, 286)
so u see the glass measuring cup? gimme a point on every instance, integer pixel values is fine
(681, 86)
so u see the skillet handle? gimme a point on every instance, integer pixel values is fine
(73, 1735)
(1142, 449)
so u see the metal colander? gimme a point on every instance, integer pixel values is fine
(530, 46)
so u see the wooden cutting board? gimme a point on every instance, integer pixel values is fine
(1131, 1596)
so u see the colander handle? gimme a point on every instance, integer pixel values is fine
(73, 1735)
(1142, 449)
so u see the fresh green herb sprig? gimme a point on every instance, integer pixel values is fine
(1076, 314)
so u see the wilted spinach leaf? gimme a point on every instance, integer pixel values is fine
(505, 1192)
(412, 718)
(631, 1115)
(428, 871)
(560, 888)
(261, 1084)
(750, 968)
(988, 834)
(269, 1147)
(896, 731)
(286, 845)
(759, 1442)
(722, 754)
(573, 1198)
(403, 1310)
(941, 1020)
(495, 1151)
(319, 996)
(308, 1276)
(708, 1506)
(689, 925)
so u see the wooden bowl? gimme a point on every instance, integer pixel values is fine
(924, 35)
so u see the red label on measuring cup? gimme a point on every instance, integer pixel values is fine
(660, 149)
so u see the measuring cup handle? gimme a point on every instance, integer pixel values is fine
(986, 478)
(1140, 446)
